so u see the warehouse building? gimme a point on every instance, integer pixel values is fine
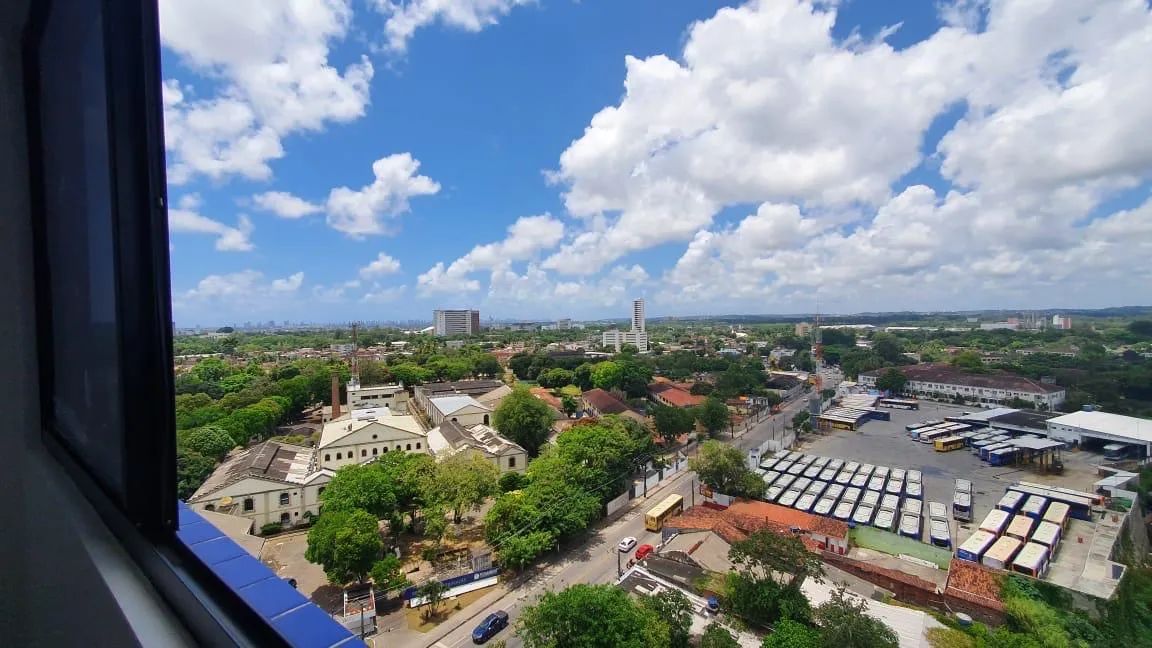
(942, 381)
(1103, 429)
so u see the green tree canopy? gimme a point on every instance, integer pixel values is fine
(192, 468)
(388, 574)
(607, 375)
(210, 441)
(792, 634)
(464, 481)
(363, 487)
(345, 543)
(674, 609)
(555, 378)
(524, 419)
(844, 622)
(724, 468)
(671, 422)
(968, 360)
(589, 616)
(892, 380)
(713, 415)
(717, 636)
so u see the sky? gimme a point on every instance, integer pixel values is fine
(331, 160)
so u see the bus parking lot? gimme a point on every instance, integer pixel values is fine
(887, 443)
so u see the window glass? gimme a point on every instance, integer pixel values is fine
(79, 225)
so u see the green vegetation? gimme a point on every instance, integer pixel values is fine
(717, 636)
(525, 419)
(671, 422)
(345, 543)
(592, 615)
(725, 469)
(895, 544)
(565, 488)
(845, 623)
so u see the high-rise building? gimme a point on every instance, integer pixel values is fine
(1063, 322)
(456, 322)
(637, 335)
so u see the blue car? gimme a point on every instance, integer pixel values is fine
(488, 628)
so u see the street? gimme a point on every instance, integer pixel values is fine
(595, 561)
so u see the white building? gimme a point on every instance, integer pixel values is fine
(637, 335)
(451, 438)
(456, 322)
(465, 410)
(269, 483)
(1078, 427)
(394, 397)
(367, 434)
(1063, 322)
(942, 381)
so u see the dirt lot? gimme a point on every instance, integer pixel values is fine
(284, 554)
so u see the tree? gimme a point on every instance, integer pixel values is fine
(888, 347)
(717, 636)
(345, 543)
(674, 609)
(845, 623)
(892, 380)
(800, 419)
(671, 422)
(634, 378)
(364, 487)
(433, 594)
(463, 481)
(768, 555)
(388, 574)
(210, 441)
(701, 389)
(511, 481)
(192, 468)
(487, 365)
(590, 615)
(607, 375)
(568, 404)
(724, 469)
(968, 361)
(555, 378)
(518, 551)
(713, 415)
(792, 634)
(582, 376)
(524, 419)
(410, 374)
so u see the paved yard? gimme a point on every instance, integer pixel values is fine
(284, 554)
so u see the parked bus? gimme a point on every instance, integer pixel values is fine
(1000, 555)
(939, 534)
(668, 507)
(859, 480)
(796, 468)
(962, 506)
(845, 476)
(769, 463)
(877, 482)
(974, 547)
(915, 476)
(899, 403)
(1003, 456)
(789, 497)
(1010, 502)
(1020, 527)
(932, 435)
(805, 502)
(911, 427)
(770, 477)
(948, 444)
(995, 522)
(885, 519)
(828, 474)
(891, 502)
(977, 437)
(1032, 560)
(976, 446)
(836, 464)
(1057, 514)
(910, 524)
(813, 471)
(1047, 534)
(913, 506)
(834, 491)
(801, 484)
(871, 498)
(919, 432)
(986, 451)
(816, 488)
(963, 485)
(1117, 451)
(1034, 506)
(936, 511)
(895, 487)
(824, 506)
(914, 489)
(844, 510)
(863, 514)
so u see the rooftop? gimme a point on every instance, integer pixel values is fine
(270, 460)
(1105, 423)
(676, 396)
(493, 397)
(469, 387)
(604, 402)
(949, 375)
(336, 430)
(451, 437)
(974, 583)
(1031, 419)
(452, 404)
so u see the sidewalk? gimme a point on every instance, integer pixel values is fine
(537, 575)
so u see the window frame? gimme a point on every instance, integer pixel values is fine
(144, 517)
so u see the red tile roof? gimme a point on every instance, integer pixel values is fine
(672, 395)
(789, 518)
(546, 396)
(973, 583)
(744, 517)
(604, 402)
(949, 375)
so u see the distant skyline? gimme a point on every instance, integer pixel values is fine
(343, 160)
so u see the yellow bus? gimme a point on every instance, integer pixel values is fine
(671, 505)
(948, 444)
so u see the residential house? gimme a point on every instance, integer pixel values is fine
(451, 438)
(597, 402)
(268, 483)
(672, 395)
(367, 434)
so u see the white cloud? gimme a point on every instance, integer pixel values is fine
(246, 286)
(383, 295)
(229, 239)
(528, 236)
(360, 212)
(285, 205)
(288, 284)
(381, 265)
(269, 62)
(404, 18)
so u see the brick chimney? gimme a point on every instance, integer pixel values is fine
(335, 397)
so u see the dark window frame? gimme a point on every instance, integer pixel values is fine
(141, 509)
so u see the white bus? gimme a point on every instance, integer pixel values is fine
(939, 533)
(1117, 451)
(1032, 560)
(1020, 527)
(1010, 502)
(962, 506)
(974, 547)
(1034, 506)
(995, 522)
(1047, 534)
(1057, 514)
(1000, 555)
(824, 506)
(936, 511)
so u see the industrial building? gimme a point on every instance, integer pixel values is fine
(942, 381)
(1102, 428)
(456, 322)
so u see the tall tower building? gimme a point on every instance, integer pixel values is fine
(456, 322)
(636, 335)
(637, 315)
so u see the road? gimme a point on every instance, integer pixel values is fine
(595, 560)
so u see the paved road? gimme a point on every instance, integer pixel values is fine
(595, 561)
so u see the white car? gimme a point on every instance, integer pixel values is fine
(626, 544)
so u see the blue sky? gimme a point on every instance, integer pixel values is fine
(557, 158)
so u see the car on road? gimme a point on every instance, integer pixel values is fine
(626, 544)
(643, 550)
(488, 628)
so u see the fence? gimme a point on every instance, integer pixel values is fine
(616, 504)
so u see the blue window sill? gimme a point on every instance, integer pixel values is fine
(299, 621)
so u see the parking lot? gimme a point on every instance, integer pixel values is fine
(887, 443)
